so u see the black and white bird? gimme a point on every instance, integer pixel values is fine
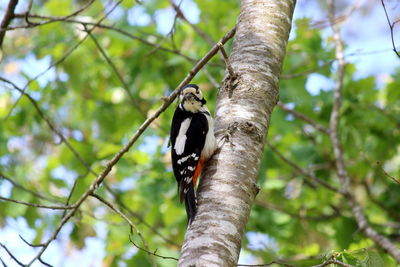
(193, 142)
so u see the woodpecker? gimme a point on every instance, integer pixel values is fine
(193, 142)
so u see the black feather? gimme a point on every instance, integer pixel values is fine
(196, 137)
(190, 204)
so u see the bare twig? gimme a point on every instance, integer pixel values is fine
(292, 75)
(50, 19)
(63, 139)
(337, 95)
(36, 194)
(48, 121)
(299, 215)
(29, 244)
(152, 253)
(391, 212)
(396, 180)
(358, 212)
(92, 188)
(326, 263)
(2, 262)
(226, 59)
(211, 78)
(53, 207)
(134, 102)
(70, 195)
(300, 170)
(107, 27)
(75, 153)
(364, 226)
(333, 261)
(8, 16)
(303, 117)
(391, 26)
(69, 52)
(204, 35)
(341, 18)
(138, 216)
(44, 263)
(267, 264)
(180, 14)
(11, 255)
(114, 68)
(123, 216)
(28, 10)
(295, 73)
(169, 34)
(100, 178)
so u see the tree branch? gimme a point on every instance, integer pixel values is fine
(114, 68)
(8, 16)
(52, 19)
(180, 14)
(300, 170)
(396, 180)
(326, 263)
(53, 207)
(205, 36)
(100, 178)
(337, 95)
(122, 205)
(33, 193)
(226, 59)
(391, 212)
(69, 52)
(333, 261)
(391, 26)
(123, 216)
(301, 215)
(303, 117)
(281, 263)
(54, 129)
(358, 213)
(49, 123)
(11, 255)
(152, 253)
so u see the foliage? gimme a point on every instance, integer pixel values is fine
(96, 112)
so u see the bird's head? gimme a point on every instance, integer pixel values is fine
(192, 99)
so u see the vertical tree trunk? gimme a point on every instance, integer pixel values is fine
(244, 108)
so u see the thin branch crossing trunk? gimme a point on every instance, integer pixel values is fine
(244, 108)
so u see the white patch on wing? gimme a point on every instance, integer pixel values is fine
(181, 138)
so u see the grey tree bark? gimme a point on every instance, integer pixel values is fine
(244, 106)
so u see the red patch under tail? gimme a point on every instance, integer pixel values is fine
(197, 172)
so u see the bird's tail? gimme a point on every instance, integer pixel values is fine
(190, 204)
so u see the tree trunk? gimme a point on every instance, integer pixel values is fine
(244, 106)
